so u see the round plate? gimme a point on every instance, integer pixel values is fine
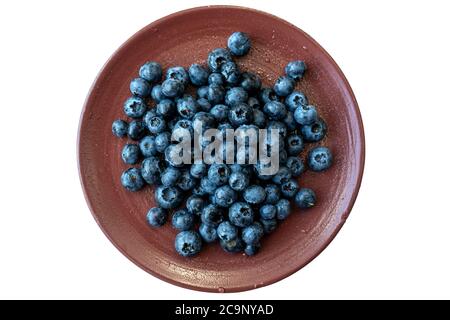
(184, 38)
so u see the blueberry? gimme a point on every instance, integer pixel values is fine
(269, 225)
(305, 115)
(267, 95)
(241, 214)
(130, 153)
(157, 94)
(136, 129)
(140, 87)
(156, 125)
(151, 169)
(218, 173)
(289, 188)
(132, 180)
(168, 197)
(186, 182)
(217, 57)
(204, 121)
(295, 100)
(238, 181)
(224, 196)
(216, 93)
(212, 215)
(208, 233)
(280, 126)
(294, 144)
(216, 78)
(226, 231)
(295, 165)
(242, 168)
(165, 108)
(289, 121)
(254, 194)
(172, 88)
(230, 72)
(178, 73)
(240, 114)
(147, 146)
(235, 96)
(295, 69)
(282, 157)
(183, 220)
(284, 86)
(252, 249)
(195, 205)
(204, 104)
(250, 82)
(162, 141)
(275, 110)
(202, 92)
(198, 75)
(320, 159)
(305, 198)
(239, 43)
(283, 209)
(233, 246)
(174, 155)
(183, 129)
(198, 170)
(157, 217)
(207, 185)
(268, 211)
(258, 167)
(220, 112)
(188, 243)
(259, 118)
(252, 234)
(273, 193)
(119, 128)
(187, 107)
(170, 176)
(151, 71)
(314, 132)
(283, 175)
(134, 107)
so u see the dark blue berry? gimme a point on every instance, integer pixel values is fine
(305, 115)
(183, 220)
(140, 87)
(204, 121)
(289, 188)
(212, 215)
(250, 82)
(216, 78)
(289, 121)
(198, 75)
(295, 165)
(268, 211)
(130, 153)
(147, 146)
(132, 180)
(202, 92)
(168, 197)
(241, 214)
(259, 118)
(252, 234)
(170, 176)
(136, 129)
(119, 128)
(215, 94)
(294, 144)
(156, 125)
(208, 233)
(230, 72)
(224, 196)
(284, 86)
(283, 175)
(254, 194)
(186, 182)
(172, 88)
(165, 108)
(188, 243)
(207, 185)
(218, 173)
(151, 169)
(187, 107)
(217, 57)
(283, 209)
(162, 141)
(178, 73)
(183, 129)
(275, 110)
(195, 205)
(314, 132)
(220, 112)
(151, 71)
(157, 217)
(305, 198)
(239, 43)
(239, 181)
(240, 114)
(269, 225)
(273, 193)
(134, 107)
(319, 159)
(174, 155)
(157, 93)
(295, 69)
(226, 231)
(252, 249)
(295, 100)
(198, 170)
(235, 96)
(233, 246)
(267, 95)
(204, 104)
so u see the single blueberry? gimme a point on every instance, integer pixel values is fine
(186, 182)
(151, 71)
(183, 220)
(289, 188)
(295, 100)
(198, 170)
(254, 103)
(207, 185)
(187, 107)
(204, 104)
(235, 96)
(218, 173)
(294, 144)
(239, 181)
(132, 180)
(157, 93)
(178, 73)
(134, 107)
(220, 112)
(230, 72)
(216, 78)
(215, 94)
(284, 86)
(315, 131)
(259, 118)
(188, 243)
(283, 209)
(295, 69)
(252, 234)
(233, 246)
(165, 108)
(241, 168)
(208, 233)
(156, 125)
(136, 129)
(258, 167)
(170, 176)
(269, 225)
(319, 159)
(217, 57)
(275, 110)
(280, 126)
(174, 155)
(226, 231)
(198, 75)
(119, 128)
(252, 249)
(283, 175)
(305, 115)
(172, 88)
(268, 95)
(130, 153)
(195, 205)
(151, 169)
(250, 82)
(224, 196)
(212, 215)
(157, 217)
(254, 194)
(268, 211)
(273, 193)
(305, 198)
(203, 121)
(162, 141)
(202, 92)
(289, 121)
(183, 129)
(240, 114)
(241, 214)
(168, 197)
(140, 87)
(147, 146)
(239, 43)
(295, 165)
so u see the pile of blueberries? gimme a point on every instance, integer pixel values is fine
(233, 204)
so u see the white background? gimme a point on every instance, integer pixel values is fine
(395, 243)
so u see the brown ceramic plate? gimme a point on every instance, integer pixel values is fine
(182, 39)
